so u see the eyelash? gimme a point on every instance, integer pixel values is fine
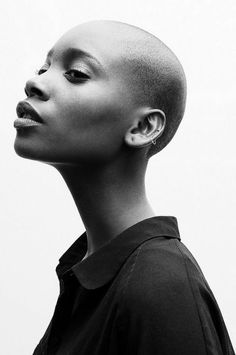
(81, 77)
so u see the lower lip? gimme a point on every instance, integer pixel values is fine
(25, 122)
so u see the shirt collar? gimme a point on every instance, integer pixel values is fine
(101, 266)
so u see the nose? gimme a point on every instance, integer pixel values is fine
(35, 88)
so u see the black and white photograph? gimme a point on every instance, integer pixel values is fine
(118, 180)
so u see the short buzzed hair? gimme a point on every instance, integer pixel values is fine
(155, 76)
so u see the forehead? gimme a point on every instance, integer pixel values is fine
(95, 40)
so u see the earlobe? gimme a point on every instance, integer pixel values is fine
(147, 129)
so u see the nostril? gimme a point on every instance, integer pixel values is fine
(33, 91)
(36, 91)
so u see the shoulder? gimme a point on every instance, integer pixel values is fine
(165, 302)
(159, 261)
(160, 273)
(157, 301)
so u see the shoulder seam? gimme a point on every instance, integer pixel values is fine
(131, 271)
(191, 287)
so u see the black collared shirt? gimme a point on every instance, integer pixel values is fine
(142, 293)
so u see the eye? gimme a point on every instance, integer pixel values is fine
(41, 70)
(75, 75)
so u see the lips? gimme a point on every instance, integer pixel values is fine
(25, 110)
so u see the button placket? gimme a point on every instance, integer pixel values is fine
(62, 311)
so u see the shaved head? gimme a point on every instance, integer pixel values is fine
(156, 79)
(140, 73)
(151, 70)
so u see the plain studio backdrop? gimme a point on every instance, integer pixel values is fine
(193, 178)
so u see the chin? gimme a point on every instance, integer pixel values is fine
(27, 150)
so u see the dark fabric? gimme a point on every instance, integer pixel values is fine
(142, 293)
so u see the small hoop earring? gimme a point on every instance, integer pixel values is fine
(154, 141)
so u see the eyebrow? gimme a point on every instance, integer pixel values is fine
(76, 52)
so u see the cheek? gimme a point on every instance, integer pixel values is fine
(96, 104)
(93, 123)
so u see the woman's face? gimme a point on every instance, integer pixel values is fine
(82, 99)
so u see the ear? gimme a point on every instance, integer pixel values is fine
(146, 130)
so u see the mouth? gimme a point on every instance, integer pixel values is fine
(26, 111)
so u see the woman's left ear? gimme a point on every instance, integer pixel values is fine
(146, 130)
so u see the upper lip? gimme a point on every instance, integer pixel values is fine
(24, 107)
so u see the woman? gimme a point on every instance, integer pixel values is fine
(109, 97)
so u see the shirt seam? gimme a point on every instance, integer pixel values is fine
(130, 272)
(192, 291)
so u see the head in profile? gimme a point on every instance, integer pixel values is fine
(108, 97)
(107, 92)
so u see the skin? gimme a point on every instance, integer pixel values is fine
(93, 132)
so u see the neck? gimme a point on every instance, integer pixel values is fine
(109, 200)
